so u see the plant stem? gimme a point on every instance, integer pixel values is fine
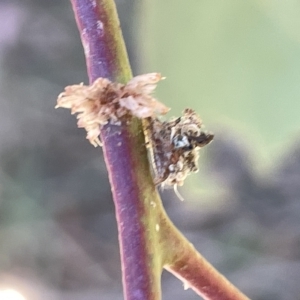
(125, 154)
(102, 40)
(148, 239)
(193, 269)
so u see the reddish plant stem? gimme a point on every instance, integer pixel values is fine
(193, 269)
(139, 211)
(125, 154)
(102, 40)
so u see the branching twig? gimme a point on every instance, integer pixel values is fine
(148, 239)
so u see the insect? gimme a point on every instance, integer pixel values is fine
(174, 147)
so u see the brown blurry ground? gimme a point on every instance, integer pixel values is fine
(58, 236)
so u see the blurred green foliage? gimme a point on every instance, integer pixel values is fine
(236, 62)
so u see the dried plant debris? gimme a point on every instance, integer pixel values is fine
(174, 147)
(105, 101)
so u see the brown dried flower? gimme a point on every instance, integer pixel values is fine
(174, 147)
(105, 101)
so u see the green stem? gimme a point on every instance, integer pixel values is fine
(183, 260)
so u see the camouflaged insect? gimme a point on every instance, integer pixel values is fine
(174, 147)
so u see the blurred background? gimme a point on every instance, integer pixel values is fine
(236, 62)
